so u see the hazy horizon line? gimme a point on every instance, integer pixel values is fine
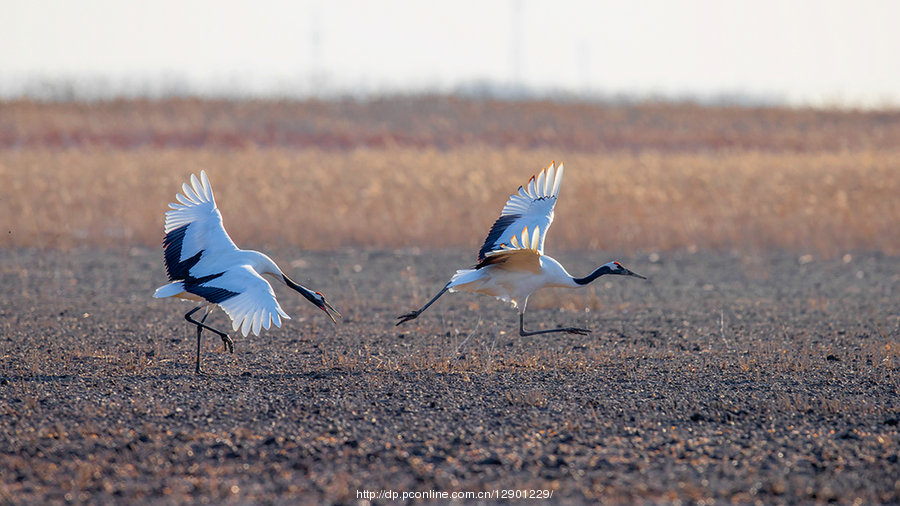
(86, 88)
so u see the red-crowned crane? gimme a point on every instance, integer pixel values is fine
(511, 263)
(204, 265)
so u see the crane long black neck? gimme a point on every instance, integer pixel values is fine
(592, 276)
(300, 288)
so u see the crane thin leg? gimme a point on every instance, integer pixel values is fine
(570, 330)
(200, 331)
(414, 314)
(229, 344)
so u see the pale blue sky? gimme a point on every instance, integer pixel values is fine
(805, 52)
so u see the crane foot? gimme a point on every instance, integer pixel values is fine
(412, 315)
(228, 342)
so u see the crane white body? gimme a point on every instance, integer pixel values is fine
(253, 307)
(513, 285)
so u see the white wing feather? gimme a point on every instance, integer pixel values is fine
(532, 208)
(525, 241)
(196, 207)
(255, 307)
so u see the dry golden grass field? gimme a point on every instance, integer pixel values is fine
(434, 173)
(760, 363)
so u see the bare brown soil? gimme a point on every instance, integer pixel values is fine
(729, 378)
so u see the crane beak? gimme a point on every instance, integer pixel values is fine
(328, 307)
(630, 273)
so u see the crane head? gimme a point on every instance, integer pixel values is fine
(617, 268)
(315, 297)
(319, 300)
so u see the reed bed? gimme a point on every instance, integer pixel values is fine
(815, 200)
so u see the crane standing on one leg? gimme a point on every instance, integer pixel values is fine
(511, 263)
(204, 265)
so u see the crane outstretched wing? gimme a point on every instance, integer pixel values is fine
(522, 253)
(530, 208)
(246, 297)
(193, 227)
